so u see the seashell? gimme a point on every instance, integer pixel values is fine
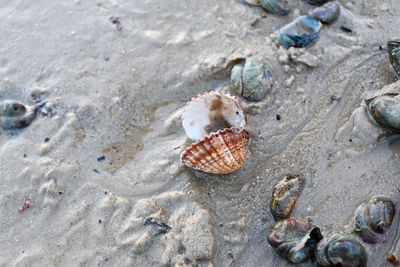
(276, 6)
(326, 13)
(14, 115)
(218, 123)
(338, 250)
(251, 80)
(284, 196)
(294, 239)
(393, 47)
(297, 33)
(384, 106)
(251, 2)
(374, 218)
(317, 2)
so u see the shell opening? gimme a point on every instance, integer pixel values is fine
(211, 112)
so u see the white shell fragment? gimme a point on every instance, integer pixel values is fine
(210, 112)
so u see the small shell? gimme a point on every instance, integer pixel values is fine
(251, 79)
(374, 218)
(393, 47)
(384, 106)
(14, 115)
(284, 196)
(338, 250)
(327, 13)
(276, 6)
(297, 33)
(294, 239)
(218, 123)
(251, 2)
(222, 152)
(317, 2)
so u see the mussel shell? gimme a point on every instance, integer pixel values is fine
(326, 13)
(251, 79)
(289, 35)
(284, 196)
(276, 6)
(294, 239)
(393, 47)
(338, 250)
(384, 106)
(251, 2)
(374, 218)
(14, 115)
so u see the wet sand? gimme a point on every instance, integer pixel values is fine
(117, 90)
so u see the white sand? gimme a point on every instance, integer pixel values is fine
(120, 94)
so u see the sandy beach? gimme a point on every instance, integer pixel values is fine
(100, 163)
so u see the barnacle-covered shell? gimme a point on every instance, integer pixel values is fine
(251, 79)
(326, 13)
(284, 196)
(276, 6)
(301, 32)
(218, 123)
(393, 47)
(14, 115)
(384, 106)
(374, 218)
(339, 250)
(294, 239)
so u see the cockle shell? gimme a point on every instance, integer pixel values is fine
(218, 123)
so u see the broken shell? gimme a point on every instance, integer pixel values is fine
(326, 13)
(284, 196)
(384, 106)
(276, 6)
(374, 218)
(317, 2)
(14, 115)
(338, 250)
(393, 47)
(301, 32)
(218, 123)
(294, 239)
(251, 80)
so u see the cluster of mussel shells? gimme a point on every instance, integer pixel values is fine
(298, 240)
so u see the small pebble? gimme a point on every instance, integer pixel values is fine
(289, 81)
(96, 171)
(46, 139)
(99, 221)
(99, 159)
(106, 58)
(278, 117)
(345, 29)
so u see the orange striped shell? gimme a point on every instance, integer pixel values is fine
(220, 152)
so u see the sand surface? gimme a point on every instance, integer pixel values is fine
(118, 91)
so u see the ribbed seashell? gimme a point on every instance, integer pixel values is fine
(218, 123)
